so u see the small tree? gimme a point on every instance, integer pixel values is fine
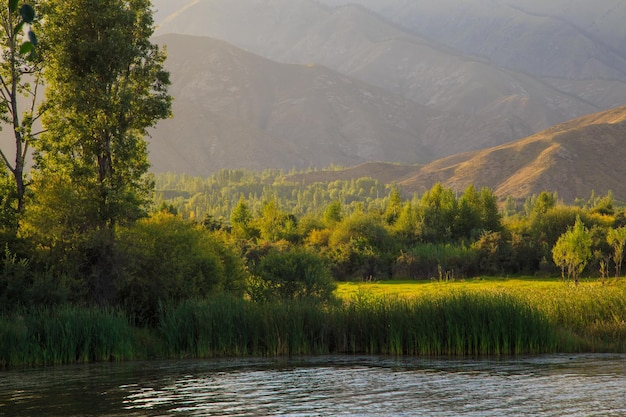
(617, 239)
(572, 250)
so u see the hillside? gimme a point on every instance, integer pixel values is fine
(502, 104)
(382, 172)
(557, 38)
(234, 109)
(574, 159)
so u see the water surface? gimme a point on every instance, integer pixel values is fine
(553, 385)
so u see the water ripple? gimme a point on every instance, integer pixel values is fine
(556, 385)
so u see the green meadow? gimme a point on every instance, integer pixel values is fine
(589, 316)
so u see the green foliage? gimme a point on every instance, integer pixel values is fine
(167, 259)
(104, 89)
(293, 273)
(393, 206)
(23, 285)
(333, 213)
(437, 211)
(437, 262)
(572, 250)
(360, 247)
(617, 239)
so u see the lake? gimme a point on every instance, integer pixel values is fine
(547, 385)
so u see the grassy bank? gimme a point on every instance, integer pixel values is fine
(482, 317)
(590, 316)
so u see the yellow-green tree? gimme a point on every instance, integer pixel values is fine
(572, 250)
(617, 239)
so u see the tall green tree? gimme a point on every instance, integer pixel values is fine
(20, 80)
(572, 250)
(617, 239)
(393, 206)
(106, 85)
(438, 209)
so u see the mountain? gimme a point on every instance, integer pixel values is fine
(574, 159)
(502, 103)
(556, 38)
(234, 109)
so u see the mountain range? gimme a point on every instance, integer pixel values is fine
(302, 83)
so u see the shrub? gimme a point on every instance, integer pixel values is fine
(431, 260)
(293, 273)
(165, 258)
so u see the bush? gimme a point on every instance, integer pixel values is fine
(429, 260)
(166, 259)
(293, 273)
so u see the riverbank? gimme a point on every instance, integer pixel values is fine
(485, 317)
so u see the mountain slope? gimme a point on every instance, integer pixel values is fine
(556, 38)
(573, 159)
(504, 104)
(235, 109)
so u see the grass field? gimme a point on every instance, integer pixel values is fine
(347, 290)
(590, 316)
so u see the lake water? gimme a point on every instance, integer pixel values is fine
(553, 385)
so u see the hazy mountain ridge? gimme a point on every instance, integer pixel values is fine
(494, 105)
(359, 43)
(574, 159)
(238, 110)
(419, 97)
(545, 38)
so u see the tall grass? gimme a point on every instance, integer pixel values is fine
(458, 324)
(228, 326)
(503, 321)
(591, 317)
(64, 335)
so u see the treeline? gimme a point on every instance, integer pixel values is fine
(217, 195)
(367, 230)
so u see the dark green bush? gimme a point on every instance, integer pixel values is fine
(167, 259)
(436, 261)
(293, 273)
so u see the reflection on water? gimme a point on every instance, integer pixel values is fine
(555, 385)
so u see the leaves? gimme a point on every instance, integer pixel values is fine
(26, 48)
(28, 13)
(13, 5)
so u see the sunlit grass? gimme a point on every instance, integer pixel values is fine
(347, 290)
(590, 316)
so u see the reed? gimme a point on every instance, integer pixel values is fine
(456, 324)
(592, 317)
(452, 324)
(443, 320)
(64, 335)
(227, 326)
